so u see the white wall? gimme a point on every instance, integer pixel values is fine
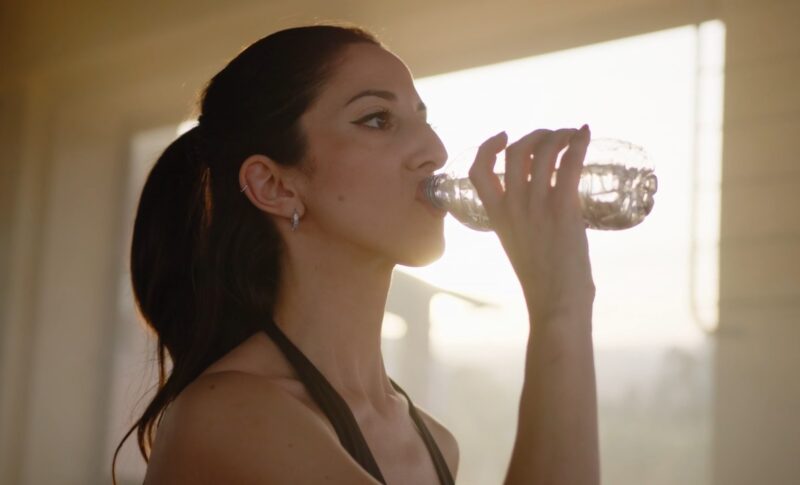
(757, 428)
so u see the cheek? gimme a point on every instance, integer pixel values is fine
(359, 195)
(380, 216)
(359, 185)
(359, 180)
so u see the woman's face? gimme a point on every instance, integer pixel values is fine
(370, 146)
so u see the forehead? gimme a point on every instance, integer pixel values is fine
(367, 66)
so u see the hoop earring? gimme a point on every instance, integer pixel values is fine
(295, 220)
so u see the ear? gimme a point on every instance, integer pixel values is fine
(271, 187)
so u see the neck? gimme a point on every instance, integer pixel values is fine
(331, 306)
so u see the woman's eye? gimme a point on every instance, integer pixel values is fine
(382, 118)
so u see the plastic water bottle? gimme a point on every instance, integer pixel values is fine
(616, 189)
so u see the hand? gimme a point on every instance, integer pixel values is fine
(540, 226)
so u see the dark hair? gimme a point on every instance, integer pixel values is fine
(205, 262)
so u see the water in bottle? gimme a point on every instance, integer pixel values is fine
(616, 189)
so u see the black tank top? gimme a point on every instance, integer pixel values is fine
(340, 415)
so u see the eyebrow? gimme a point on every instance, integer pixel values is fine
(387, 95)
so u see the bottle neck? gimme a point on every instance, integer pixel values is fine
(431, 188)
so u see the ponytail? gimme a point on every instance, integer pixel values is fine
(171, 223)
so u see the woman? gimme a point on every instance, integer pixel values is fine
(262, 255)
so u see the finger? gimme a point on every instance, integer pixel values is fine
(569, 172)
(545, 156)
(482, 175)
(518, 166)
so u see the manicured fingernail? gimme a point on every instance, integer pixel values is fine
(585, 128)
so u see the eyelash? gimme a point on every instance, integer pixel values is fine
(382, 115)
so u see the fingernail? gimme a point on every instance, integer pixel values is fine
(499, 135)
(585, 128)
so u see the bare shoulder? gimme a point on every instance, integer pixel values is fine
(444, 439)
(233, 427)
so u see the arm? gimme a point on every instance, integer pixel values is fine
(541, 228)
(557, 438)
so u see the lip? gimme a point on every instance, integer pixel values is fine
(420, 197)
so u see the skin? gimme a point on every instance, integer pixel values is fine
(359, 218)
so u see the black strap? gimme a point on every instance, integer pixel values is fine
(445, 478)
(331, 403)
(340, 415)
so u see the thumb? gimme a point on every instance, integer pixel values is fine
(482, 175)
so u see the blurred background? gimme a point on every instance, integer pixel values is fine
(697, 315)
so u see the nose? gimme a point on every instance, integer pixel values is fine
(431, 154)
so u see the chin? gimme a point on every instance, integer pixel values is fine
(423, 255)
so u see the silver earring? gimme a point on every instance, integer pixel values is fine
(295, 220)
(243, 188)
